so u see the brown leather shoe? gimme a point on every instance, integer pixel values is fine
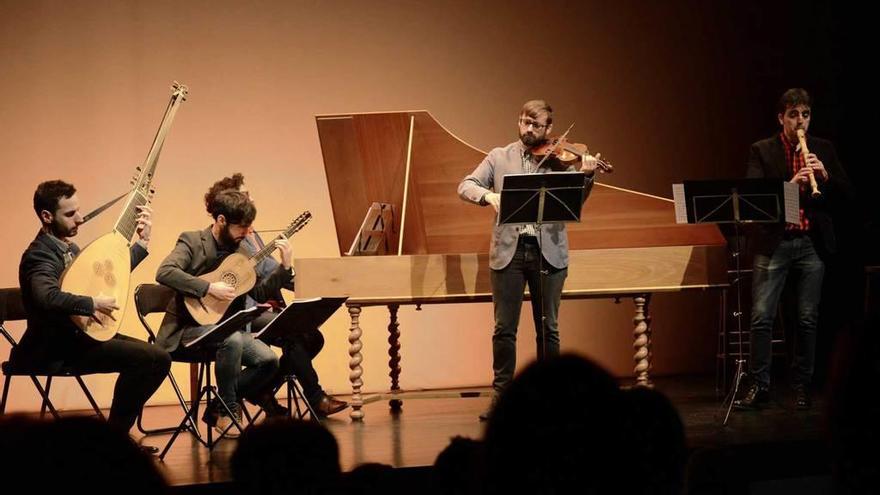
(757, 397)
(328, 405)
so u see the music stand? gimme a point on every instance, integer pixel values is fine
(228, 326)
(737, 202)
(299, 316)
(538, 199)
(303, 314)
(213, 336)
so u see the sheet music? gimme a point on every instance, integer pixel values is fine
(792, 202)
(680, 206)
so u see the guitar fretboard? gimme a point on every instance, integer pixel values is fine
(294, 227)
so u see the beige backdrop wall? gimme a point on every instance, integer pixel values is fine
(654, 87)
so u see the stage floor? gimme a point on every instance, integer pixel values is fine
(424, 427)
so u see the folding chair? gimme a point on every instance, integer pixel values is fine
(12, 309)
(149, 299)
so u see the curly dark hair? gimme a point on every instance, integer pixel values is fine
(234, 183)
(235, 206)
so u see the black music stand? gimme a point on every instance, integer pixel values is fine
(737, 202)
(208, 391)
(299, 316)
(538, 199)
(228, 326)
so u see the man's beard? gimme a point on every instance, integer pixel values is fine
(529, 140)
(226, 238)
(60, 231)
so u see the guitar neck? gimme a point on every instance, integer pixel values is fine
(265, 252)
(270, 247)
(298, 223)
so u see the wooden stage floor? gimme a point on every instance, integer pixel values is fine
(424, 427)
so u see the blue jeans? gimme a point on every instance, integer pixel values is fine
(508, 286)
(795, 255)
(239, 349)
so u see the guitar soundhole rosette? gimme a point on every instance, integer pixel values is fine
(229, 279)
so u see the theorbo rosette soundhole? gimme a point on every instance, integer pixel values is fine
(105, 270)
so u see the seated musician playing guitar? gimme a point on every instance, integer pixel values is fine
(197, 253)
(52, 341)
(298, 352)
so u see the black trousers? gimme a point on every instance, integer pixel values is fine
(508, 287)
(142, 368)
(298, 350)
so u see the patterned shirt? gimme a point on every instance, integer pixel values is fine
(794, 158)
(529, 167)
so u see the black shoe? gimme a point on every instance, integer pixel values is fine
(757, 397)
(485, 415)
(149, 449)
(146, 449)
(802, 399)
(212, 412)
(270, 406)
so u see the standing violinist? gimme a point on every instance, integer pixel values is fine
(514, 249)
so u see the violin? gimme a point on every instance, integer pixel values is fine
(565, 153)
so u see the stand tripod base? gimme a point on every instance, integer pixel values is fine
(294, 396)
(209, 393)
(731, 398)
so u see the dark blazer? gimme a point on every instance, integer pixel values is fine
(767, 160)
(51, 335)
(196, 254)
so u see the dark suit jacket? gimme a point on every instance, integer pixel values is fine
(196, 254)
(767, 160)
(51, 335)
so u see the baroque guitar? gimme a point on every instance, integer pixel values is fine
(239, 271)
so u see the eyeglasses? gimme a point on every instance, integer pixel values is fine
(533, 124)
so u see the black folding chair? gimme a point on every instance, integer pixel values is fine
(149, 299)
(12, 309)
